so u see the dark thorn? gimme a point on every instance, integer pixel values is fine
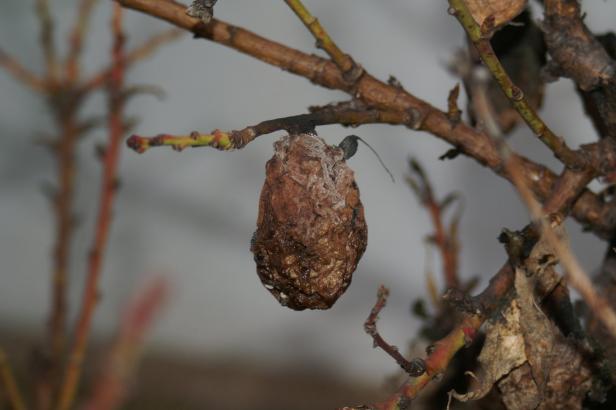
(394, 82)
(450, 154)
(253, 241)
(100, 150)
(417, 367)
(430, 349)
(461, 301)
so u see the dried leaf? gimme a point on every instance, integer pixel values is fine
(502, 352)
(503, 10)
(531, 362)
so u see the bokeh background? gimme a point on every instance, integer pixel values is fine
(190, 215)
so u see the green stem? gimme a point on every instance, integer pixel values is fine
(480, 37)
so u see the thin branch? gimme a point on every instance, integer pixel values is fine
(47, 39)
(139, 53)
(480, 36)
(111, 386)
(589, 209)
(350, 69)
(76, 38)
(90, 295)
(440, 354)
(21, 73)
(378, 341)
(444, 241)
(10, 385)
(225, 141)
(62, 203)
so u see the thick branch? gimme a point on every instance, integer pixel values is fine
(577, 54)
(589, 208)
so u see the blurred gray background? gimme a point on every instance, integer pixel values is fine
(190, 215)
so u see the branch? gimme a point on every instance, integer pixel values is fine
(111, 386)
(445, 241)
(90, 295)
(47, 39)
(577, 54)
(566, 190)
(350, 69)
(10, 385)
(345, 114)
(480, 36)
(139, 53)
(76, 38)
(62, 202)
(378, 341)
(21, 73)
(441, 352)
(574, 271)
(477, 309)
(590, 210)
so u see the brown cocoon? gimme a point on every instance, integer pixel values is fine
(311, 230)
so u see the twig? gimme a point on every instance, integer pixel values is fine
(108, 189)
(441, 352)
(480, 36)
(446, 243)
(76, 38)
(21, 73)
(589, 208)
(47, 39)
(378, 341)
(132, 57)
(238, 139)
(63, 208)
(10, 385)
(350, 69)
(111, 386)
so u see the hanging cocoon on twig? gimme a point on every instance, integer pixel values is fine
(311, 230)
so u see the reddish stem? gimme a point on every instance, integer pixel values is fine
(108, 189)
